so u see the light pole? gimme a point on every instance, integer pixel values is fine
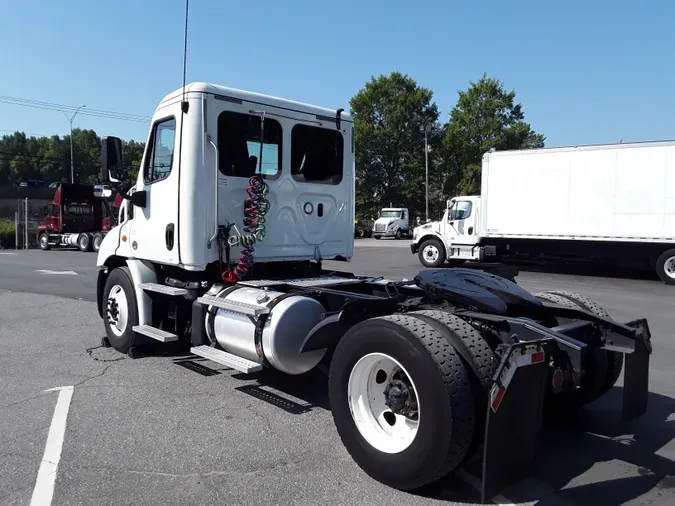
(426, 170)
(70, 121)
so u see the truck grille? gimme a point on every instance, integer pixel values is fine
(380, 227)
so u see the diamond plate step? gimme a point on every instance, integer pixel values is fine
(165, 289)
(227, 359)
(233, 306)
(302, 282)
(155, 333)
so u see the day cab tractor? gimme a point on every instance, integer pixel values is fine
(79, 217)
(219, 250)
(393, 222)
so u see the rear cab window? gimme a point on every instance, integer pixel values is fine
(317, 155)
(239, 145)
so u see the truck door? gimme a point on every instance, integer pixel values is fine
(461, 223)
(154, 230)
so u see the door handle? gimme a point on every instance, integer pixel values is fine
(168, 236)
(470, 230)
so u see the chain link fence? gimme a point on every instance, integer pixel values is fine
(19, 222)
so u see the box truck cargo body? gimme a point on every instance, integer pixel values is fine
(611, 202)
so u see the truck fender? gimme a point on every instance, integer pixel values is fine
(431, 235)
(142, 271)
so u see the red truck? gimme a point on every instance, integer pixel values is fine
(79, 217)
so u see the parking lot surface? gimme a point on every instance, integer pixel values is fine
(173, 429)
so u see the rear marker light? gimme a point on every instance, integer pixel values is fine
(537, 357)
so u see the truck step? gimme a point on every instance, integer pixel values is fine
(302, 282)
(155, 333)
(227, 359)
(165, 289)
(233, 306)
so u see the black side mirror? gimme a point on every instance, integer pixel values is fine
(138, 198)
(46, 210)
(112, 166)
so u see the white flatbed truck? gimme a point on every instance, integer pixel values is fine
(218, 251)
(613, 203)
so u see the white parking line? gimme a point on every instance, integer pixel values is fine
(47, 271)
(44, 485)
(4, 253)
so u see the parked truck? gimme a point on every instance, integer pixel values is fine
(393, 222)
(613, 203)
(219, 251)
(79, 217)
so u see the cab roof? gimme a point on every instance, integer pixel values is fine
(259, 98)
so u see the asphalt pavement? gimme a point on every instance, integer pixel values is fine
(176, 430)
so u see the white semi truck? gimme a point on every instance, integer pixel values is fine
(393, 222)
(613, 202)
(218, 251)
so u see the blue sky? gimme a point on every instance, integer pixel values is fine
(585, 72)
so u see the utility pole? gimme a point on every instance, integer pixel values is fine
(426, 170)
(70, 121)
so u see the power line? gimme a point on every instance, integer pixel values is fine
(49, 106)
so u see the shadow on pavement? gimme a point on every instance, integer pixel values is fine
(585, 458)
(595, 269)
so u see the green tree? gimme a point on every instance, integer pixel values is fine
(390, 114)
(48, 158)
(485, 117)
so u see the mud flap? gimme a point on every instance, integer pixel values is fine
(636, 376)
(514, 417)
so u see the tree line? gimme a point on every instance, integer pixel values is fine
(391, 114)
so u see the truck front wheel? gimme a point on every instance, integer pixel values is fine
(120, 311)
(432, 253)
(401, 401)
(44, 241)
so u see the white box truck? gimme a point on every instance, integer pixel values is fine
(613, 202)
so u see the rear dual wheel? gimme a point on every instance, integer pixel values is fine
(401, 401)
(603, 367)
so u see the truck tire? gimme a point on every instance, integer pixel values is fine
(378, 237)
(432, 253)
(483, 364)
(665, 267)
(601, 366)
(96, 241)
(84, 242)
(614, 358)
(120, 309)
(399, 234)
(412, 355)
(44, 241)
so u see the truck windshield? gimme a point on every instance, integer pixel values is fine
(78, 209)
(390, 214)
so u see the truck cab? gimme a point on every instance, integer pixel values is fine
(392, 222)
(453, 238)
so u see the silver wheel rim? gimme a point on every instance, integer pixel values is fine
(43, 241)
(430, 253)
(383, 429)
(97, 242)
(117, 310)
(669, 267)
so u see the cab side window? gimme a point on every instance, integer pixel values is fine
(159, 159)
(460, 211)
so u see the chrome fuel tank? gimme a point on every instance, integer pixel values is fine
(289, 322)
